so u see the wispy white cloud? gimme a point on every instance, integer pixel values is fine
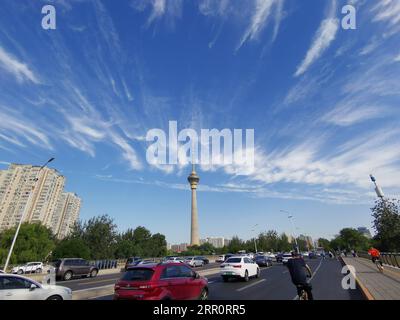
(262, 12)
(18, 69)
(387, 11)
(14, 125)
(169, 9)
(323, 38)
(351, 112)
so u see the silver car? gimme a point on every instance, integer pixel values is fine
(16, 287)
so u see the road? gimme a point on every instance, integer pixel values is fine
(104, 280)
(274, 284)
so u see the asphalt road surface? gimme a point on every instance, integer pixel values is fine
(274, 284)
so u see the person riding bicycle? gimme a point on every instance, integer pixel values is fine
(375, 255)
(299, 271)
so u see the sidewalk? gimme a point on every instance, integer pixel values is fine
(375, 285)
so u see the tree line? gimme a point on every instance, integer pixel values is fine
(96, 239)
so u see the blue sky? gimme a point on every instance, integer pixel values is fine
(323, 101)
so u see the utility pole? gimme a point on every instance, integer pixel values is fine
(23, 216)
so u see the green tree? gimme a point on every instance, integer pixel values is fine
(71, 248)
(350, 239)
(235, 245)
(324, 243)
(35, 242)
(386, 214)
(158, 245)
(283, 243)
(100, 235)
(268, 241)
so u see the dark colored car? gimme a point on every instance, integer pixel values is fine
(162, 281)
(132, 261)
(279, 257)
(263, 261)
(69, 268)
(228, 255)
(312, 255)
(205, 260)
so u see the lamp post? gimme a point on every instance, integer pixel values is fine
(255, 241)
(23, 216)
(290, 217)
(378, 189)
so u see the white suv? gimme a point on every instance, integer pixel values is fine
(30, 267)
(239, 267)
(193, 262)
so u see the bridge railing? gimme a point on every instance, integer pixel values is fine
(389, 258)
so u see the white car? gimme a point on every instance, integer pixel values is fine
(220, 258)
(16, 287)
(286, 257)
(30, 267)
(174, 259)
(146, 262)
(193, 262)
(271, 255)
(239, 267)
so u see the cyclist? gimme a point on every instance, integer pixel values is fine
(299, 271)
(375, 255)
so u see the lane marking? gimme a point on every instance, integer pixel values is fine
(312, 276)
(95, 288)
(98, 281)
(251, 285)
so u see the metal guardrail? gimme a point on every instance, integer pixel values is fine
(389, 258)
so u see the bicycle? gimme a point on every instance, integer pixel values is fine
(303, 293)
(378, 264)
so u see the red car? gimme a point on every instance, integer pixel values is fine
(163, 281)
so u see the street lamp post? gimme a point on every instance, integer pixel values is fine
(255, 241)
(378, 189)
(23, 216)
(290, 217)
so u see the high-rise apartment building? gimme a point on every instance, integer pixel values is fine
(216, 242)
(66, 214)
(36, 194)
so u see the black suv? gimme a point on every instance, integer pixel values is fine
(69, 268)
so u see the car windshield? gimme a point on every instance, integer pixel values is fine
(260, 257)
(56, 263)
(138, 275)
(234, 260)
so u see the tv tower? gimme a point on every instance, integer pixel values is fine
(194, 230)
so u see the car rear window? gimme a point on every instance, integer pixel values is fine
(234, 260)
(138, 275)
(56, 263)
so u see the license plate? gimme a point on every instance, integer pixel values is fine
(228, 273)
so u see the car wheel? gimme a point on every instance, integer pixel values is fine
(54, 298)
(68, 275)
(225, 279)
(93, 273)
(38, 270)
(258, 273)
(20, 271)
(204, 294)
(246, 276)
